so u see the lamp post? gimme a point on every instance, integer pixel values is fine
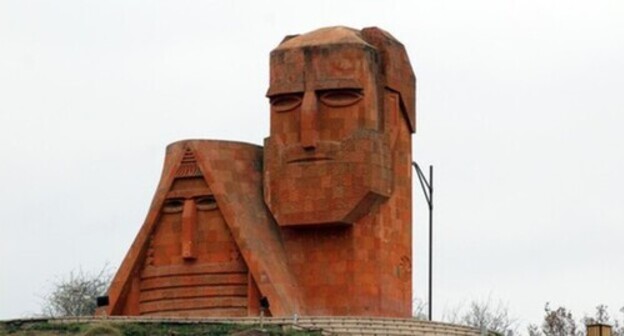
(427, 188)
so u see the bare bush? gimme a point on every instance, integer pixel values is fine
(419, 308)
(484, 315)
(490, 316)
(76, 294)
(534, 330)
(559, 322)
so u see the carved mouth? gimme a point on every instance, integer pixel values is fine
(324, 151)
(308, 159)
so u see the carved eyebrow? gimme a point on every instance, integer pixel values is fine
(186, 194)
(281, 88)
(277, 89)
(338, 83)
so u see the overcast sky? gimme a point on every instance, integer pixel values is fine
(520, 109)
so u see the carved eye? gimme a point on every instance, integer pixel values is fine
(340, 98)
(173, 205)
(286, 102)
(206, 203)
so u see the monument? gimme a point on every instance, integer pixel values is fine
(318, 222)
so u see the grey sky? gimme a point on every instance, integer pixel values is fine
(519, 105)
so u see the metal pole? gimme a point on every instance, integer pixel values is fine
(430, 243)
(427, 188)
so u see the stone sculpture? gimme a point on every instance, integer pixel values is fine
(208, 246)
(318, 222)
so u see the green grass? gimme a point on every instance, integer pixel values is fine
(49, 328)
(40, 328)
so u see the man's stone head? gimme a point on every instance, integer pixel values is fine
(333, 95)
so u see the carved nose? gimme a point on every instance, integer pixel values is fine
(309, 121)
(189, 222)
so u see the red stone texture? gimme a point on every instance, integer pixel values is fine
(235, 250)
(338, 168)
(319, 222)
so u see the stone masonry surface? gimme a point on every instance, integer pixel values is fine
(318, 221)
